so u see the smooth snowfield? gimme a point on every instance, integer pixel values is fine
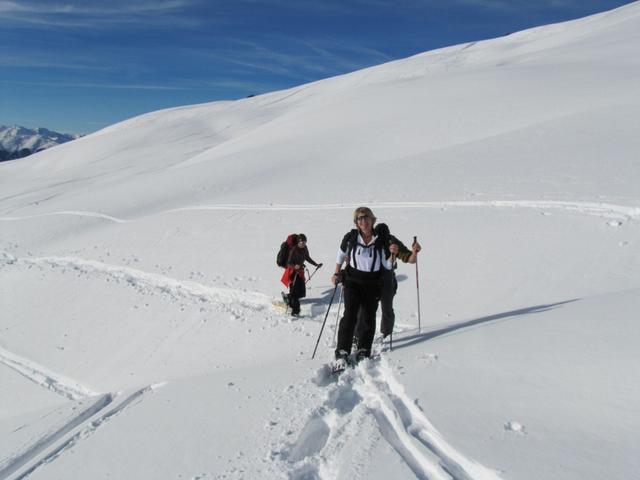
(139, 336)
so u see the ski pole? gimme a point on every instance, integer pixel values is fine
(415, 240)
(314, 272)
(335, 331)
(393, 267)
(325, 321)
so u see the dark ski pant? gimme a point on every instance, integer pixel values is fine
(388, 291)
(297, 290)
(361, 293)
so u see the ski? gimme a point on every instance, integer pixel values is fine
(282, 305)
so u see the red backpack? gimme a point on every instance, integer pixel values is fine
(283, 253)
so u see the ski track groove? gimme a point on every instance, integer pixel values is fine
(17, 460)
(588, 208)
(145, 281)
(607, 210)
(58, 384)
(83, 433)
(75, 213)
(383, 388)
(371, 389)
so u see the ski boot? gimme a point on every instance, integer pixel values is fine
(341, 362)
(361, 354)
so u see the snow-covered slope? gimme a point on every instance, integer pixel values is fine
(137, 273)
(16, 140)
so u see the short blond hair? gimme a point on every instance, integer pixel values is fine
(363, 211)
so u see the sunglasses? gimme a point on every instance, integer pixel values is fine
(362, 217)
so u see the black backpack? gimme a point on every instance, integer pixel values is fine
(283, 253)
(350, 240)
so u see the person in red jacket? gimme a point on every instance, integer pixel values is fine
(293, 276)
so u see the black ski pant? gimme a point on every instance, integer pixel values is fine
(361, 292)
(297, 290)
(388, 291)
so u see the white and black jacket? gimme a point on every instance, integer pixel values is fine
(371, 257)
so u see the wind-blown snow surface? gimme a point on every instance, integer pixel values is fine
(137, 275)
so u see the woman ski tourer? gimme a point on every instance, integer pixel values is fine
(293, 276)
(368, 256)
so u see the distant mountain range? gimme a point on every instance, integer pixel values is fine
(18, 142)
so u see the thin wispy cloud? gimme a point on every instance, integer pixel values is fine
(271, 56)
(87, 8)
(331, 7)
(96, 15)
(255, 65)
(345, 55)
(510, 5)
(289, 57)
(515, 5)
(256, 59)
(234, 85)
(34, 61)
(111, 86)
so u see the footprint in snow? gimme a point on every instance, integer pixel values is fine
(304, 455)
(515, 427)
(324, 376)
(344, 399)
(429, 358)
(311, 440)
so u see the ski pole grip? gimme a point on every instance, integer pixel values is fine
(415, 239)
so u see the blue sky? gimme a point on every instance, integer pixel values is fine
(77, 66)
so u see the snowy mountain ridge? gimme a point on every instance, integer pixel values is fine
(17, 141)
(140, 296)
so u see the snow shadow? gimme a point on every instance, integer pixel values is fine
(402, 278)
(407, 341)
(319, 301)
(324, 296)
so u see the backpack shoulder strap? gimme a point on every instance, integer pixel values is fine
(384, 238)
(349, 241)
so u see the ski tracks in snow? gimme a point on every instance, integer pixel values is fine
(42, 450)
(607, 210)
(36, 446)
(40, 375)
(95, 409)
(90, 405)
(149, 282)
(599, 209)
(325, 446)
(74, 213)
(100, 417)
